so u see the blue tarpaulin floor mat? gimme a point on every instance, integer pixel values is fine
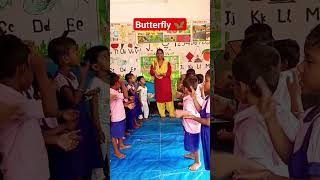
(156, 153)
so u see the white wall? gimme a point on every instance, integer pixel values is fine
(124, 11)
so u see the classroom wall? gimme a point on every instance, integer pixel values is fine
(123, 11)
(129, 52)
(290, 19)
(41, 21)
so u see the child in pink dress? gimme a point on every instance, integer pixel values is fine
(191, 128)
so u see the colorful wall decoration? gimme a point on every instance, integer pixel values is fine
(184, 49)
(41, 21)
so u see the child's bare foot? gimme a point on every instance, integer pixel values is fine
(119, 155)
(136, 126)
(189, 156)
(125, 147)
(194, 166)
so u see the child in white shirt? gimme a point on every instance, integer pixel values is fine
(143, 96)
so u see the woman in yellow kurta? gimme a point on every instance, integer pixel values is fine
(161, 71)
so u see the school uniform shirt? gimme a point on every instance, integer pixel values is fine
(313, 152)
(118, 112)
(103, 100)
(198, 90)
(253, 142)
(281, 95)
(62, 81)
(208, 105)
(52, 122)
(21, 141)
(190, 125)
(143, 93)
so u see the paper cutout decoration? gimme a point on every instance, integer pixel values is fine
(114, 46)
(190, 56)
(36, 7)
(206, 54)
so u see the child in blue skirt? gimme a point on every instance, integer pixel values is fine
(191, 128)
(204, 119)
(80, 162)
(118, 114)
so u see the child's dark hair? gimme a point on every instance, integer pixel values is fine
(13, 53)
(191, 81)
(139, 78)
(313, 38)
(92, 54)
(257, 60)
(253, 40)
(128, 76)
(200, 78)
(59, 47)
(262, 30)
(114, 78)
(289, 51)
(190, 72)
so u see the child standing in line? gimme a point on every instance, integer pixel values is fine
(21, 142)
(200, 86)
(143, 96)
(131, 113)
(98, 58)
(302, 156)
(191, 128)
(252, 140)
(80, 162)
(118, 114)
(204, 119)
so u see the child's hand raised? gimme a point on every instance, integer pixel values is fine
(193, 92)
(294, 87)
(265, 103)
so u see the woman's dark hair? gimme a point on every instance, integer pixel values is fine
(114, 78)
(258, 60)
(13, 52)
(161, 51)
(92, 54)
